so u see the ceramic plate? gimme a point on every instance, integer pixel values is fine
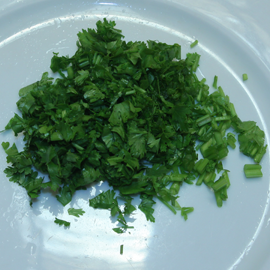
(234, 38)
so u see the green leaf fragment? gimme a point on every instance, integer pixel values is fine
(75, 212)
(146, 206)
(62, 222)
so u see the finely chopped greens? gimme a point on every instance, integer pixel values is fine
(130, 113)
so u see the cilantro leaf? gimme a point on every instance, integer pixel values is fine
(62, 222)
(146, 206)
(75, 212)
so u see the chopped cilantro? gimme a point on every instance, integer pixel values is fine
(245, 77)
(193, 44)
(215, 82)
(253, 170)
(130, 113)
(62, 222)
(75, 212)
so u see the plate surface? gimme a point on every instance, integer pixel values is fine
(234, 38)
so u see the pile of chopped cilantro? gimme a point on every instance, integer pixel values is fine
(130, 113)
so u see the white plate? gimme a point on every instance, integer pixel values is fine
(234, 38)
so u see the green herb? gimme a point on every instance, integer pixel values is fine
(185, 211)
(62, 222)
(121, 249)
(194, 43)
(75, 212)
(130, 113)
(215, 82)
(231, 140)
(253, 170)
(245, 77)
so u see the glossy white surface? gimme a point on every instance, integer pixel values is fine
(234, 38)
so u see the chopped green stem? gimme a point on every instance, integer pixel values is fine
(204, 120)
(97, 59)
(223, 118)
(202, 131)
(245, 77)
(185, 211)
(232, 110)
(219, 184)
(70, 72)
(175, 187)
(260, 154)
(168, 74)
(226, 176)
(121, 249)
(218, 137)
(200, 165)
(139, 89)
(220, 90)
(218, 198)
(167, 204)
(205, 146)
(198, 146)
(194, 43)
(231, 140)
(200, 179)
(215, 82)
(214, 124)
(196, 63)
(209, 178)
(130, 92)
(216, 153)
(203, 81)
(178, 177)
(84, 64)
(253, 170)
(210, 109)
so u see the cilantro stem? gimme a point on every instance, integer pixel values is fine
(231, 140)
(220, 90)
(218, 137)
(259, 155)
(131, 92)
(219, 184)
(253, 170)
(203, 81)
(196, 62)
(194, 43)
(205, 146)
(70, 72)
(200, 179)
(223, 118)
(200, 165)
(215, 82)
(245, 77)
(139, 89)
(204, 120)
(121, 249)
(209, 178)
(167, 204)
(174, 188)
(232, 109)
